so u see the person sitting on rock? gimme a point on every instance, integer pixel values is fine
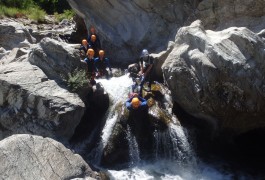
(102, 63)
(146, 68)
(93, 43)
(83, 48)
(92, 31)
(90, 66)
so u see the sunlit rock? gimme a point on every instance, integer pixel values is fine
(55, 58)
(35, 157)
(32, 103)
(14, 34)
(218, 76)
(222, 14)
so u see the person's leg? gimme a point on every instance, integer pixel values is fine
(141, 86)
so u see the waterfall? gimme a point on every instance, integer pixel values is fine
(118, 89)
(133, 147)
(173, 159)
(172, 144)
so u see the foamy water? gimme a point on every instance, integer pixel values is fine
(175, 159)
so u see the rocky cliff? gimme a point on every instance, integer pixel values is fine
(33, 97)
(126, 27)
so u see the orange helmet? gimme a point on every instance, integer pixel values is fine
(101, 52)
(135, 103)
(90, 52)
(93, 38)
(84, 42)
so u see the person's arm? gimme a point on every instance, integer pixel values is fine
(96, 64)
(107, 63)
(141, 65)
(151, 61)
(128, 103)
(141, 99)
(85, 60)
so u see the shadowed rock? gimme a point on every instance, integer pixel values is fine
(125, 28)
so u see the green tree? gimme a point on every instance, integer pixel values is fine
(20, 4)
(52, 6)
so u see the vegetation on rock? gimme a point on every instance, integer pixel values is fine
(76, 80)
(36, 9)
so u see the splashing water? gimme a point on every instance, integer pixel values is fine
(133, 147)
(174, 158)
(172, 144)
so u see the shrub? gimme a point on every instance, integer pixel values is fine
(77, 80)
(67, 14)
(9, 12)
(36, 14)
(20, 4)
(52, 6)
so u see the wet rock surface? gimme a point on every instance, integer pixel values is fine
(139, 128)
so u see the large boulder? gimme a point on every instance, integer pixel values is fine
(125, 28)
(221, 14)
(55, 58)
(34, 157)
(14, 34)
(219, 77)
(31, 103)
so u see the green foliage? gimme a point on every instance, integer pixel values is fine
(33, 12)
(20, 4)
(67, 14)
(50, 6)
(9, 12)
(36, 14)
(77, 80)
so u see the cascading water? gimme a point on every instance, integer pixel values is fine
(133, 147)
(173, 155)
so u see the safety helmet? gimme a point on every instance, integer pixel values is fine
(84, 42)
(101, 52)
(93, 37)
(145, 53)
(135, 103)
(90, 52)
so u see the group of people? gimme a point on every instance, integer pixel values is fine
(94, 56)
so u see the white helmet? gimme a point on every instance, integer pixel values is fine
(145, 53)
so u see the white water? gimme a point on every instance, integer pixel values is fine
(175, 159)
(133, 147)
